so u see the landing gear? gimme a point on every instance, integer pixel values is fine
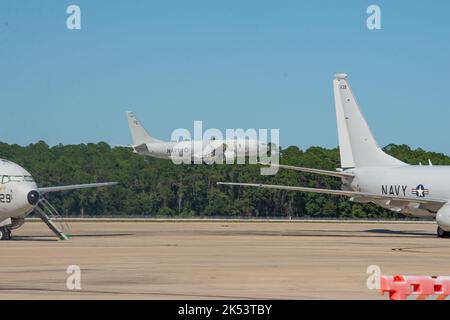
(441, 233)
(5, 233)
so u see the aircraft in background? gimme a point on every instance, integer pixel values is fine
(195, 151)
(369, 175)
(20, 196)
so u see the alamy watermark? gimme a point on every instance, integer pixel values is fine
(236, 146)
(73, 21)
(373, 22)
(374, 280)
(73, 281)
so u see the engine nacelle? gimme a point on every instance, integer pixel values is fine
(443, 217)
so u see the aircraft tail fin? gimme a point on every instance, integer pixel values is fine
(357, 145)
(138, 134)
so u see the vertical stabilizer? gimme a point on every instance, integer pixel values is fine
(138, 134)
(357, 145)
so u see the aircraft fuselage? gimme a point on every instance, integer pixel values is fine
(16, 185)
(198, 149)
(410, 181)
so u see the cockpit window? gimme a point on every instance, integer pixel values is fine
(6, 179)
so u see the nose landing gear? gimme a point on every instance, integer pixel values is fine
(5, 233)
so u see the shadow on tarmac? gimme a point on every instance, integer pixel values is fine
(398, 232)
(55, 239)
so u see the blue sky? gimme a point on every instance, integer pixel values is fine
(231, 64)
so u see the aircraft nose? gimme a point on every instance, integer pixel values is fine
(33, 197)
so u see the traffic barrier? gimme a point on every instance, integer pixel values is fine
(416, 287)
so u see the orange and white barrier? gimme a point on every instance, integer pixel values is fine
(416, 287)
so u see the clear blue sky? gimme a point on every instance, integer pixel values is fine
(232, 64)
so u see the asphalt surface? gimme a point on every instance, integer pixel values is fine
(216, 260)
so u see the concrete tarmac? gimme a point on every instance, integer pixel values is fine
(216, 260)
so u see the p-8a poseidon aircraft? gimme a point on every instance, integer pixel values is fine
(370, 175)
(20, 196)
(193, 151)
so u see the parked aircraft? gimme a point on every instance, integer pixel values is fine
(370, 175)
(197, 151)
(20, 196)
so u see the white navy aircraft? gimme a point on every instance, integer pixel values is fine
(371, 176)
(197, 151)
(20, 196)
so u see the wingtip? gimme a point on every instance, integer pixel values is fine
(341, 76)
(109, 183)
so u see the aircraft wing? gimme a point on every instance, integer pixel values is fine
(432, 205)
(75, 186)
(338, 174)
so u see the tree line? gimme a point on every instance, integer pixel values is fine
(158, 188)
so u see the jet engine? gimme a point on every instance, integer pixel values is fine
(443, 217)
(217, 153)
